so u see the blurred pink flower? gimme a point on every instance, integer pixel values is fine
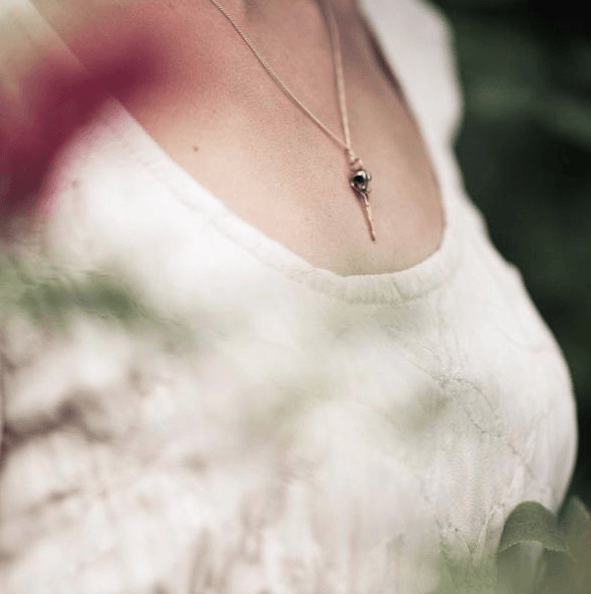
(53, 102)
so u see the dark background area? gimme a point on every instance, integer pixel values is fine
(525, 151)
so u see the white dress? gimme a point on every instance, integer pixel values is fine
(317, 434)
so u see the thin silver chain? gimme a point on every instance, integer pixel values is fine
(335, 43)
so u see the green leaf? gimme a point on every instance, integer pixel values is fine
(533, 555)
(575, 523)
(531, 522)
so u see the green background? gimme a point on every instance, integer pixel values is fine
(525, 151)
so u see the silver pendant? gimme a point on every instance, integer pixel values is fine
(359, 181)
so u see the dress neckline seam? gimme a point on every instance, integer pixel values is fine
(268, 251)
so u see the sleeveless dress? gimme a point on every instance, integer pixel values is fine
(314, 433)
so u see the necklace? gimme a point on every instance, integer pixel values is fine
(359, 177)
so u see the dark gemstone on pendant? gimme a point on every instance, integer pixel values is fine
(360, 180)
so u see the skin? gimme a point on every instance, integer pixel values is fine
(216, 112)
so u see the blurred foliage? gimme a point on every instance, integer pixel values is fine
(50, 296)
(525, 151)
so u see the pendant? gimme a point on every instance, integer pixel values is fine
(359, 181)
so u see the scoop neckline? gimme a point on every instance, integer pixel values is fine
(378, 288)
(399, 285)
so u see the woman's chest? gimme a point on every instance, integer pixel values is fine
(218, 113)
(312, 436)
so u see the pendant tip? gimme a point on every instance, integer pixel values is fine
(372, 229)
